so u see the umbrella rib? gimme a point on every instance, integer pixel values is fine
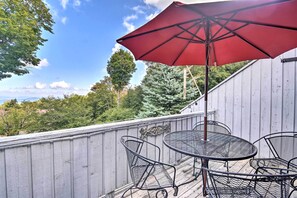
(214, 50)
(192, 34)
(174, 36)
(193, 41)
(182, 51)
(224, 25)
(224, 36)
(245, 40)
(198, 20)
(262, 24)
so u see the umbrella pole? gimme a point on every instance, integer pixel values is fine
(205, 161)
(205, 101)
(207, 41)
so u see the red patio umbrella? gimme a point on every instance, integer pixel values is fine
(216, 34)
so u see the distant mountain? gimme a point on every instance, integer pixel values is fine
(19, 99)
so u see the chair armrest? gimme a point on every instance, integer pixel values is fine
(290, 162)
(294, 183)
(169, 166)
(158, 150)
(156, 162)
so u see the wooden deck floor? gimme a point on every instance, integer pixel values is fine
(184, 173)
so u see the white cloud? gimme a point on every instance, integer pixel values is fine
(64, 3)
(76, 3)
(40, 85)
(116, 48)
(130, 27)
(161, 4)
(27, 94)
(60, 84)
(43, 63)
(138, 9)
(151, 16)
(64, 20)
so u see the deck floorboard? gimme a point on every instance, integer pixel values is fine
(184, 173)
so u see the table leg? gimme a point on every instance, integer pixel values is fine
(204, 164)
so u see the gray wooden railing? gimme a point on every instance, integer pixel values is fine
(80, 162)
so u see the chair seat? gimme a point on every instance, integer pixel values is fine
(271, 162)
(155, 177)
(257, 184)
(240, 192)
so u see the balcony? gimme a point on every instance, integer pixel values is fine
(90, 161)
(80, 162)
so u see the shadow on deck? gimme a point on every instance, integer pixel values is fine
(184, 173)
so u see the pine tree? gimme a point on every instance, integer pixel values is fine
(163, 91)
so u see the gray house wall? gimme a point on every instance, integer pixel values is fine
(259, 99)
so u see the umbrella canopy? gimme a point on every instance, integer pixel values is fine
(215, 34)
(234, 30)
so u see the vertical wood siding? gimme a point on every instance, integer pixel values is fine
(259, 99)
(84, 162)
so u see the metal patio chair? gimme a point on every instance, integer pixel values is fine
(264, 182)
(277, 150)
(292, 165)
(148, 173)
(214, 126)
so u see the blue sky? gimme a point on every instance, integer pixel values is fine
(76, 55)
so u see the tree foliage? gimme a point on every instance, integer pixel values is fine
(160, 93)
(15, 118)
(133, 99)
(120, 68)
(21, 26)
(163, 91)
(55, 113)
(116, 114)
(216, 74)
(104, 84)
(101, 98)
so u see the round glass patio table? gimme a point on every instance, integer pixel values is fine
(218, 146)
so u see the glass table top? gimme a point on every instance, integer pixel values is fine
(218, 146)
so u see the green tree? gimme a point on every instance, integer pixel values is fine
(216, 74)
(120, 67)
(55, 113)
(116, 114)
(10, 103)
(17, 118)
(163, 91)
(133, 99)
(21, 26)
(101, 98)
(104, 84)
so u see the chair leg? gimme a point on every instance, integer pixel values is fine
(227, 166)
(164, 193)
(175, 191)
(129, 189)
(291, 193)
(194, 167)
